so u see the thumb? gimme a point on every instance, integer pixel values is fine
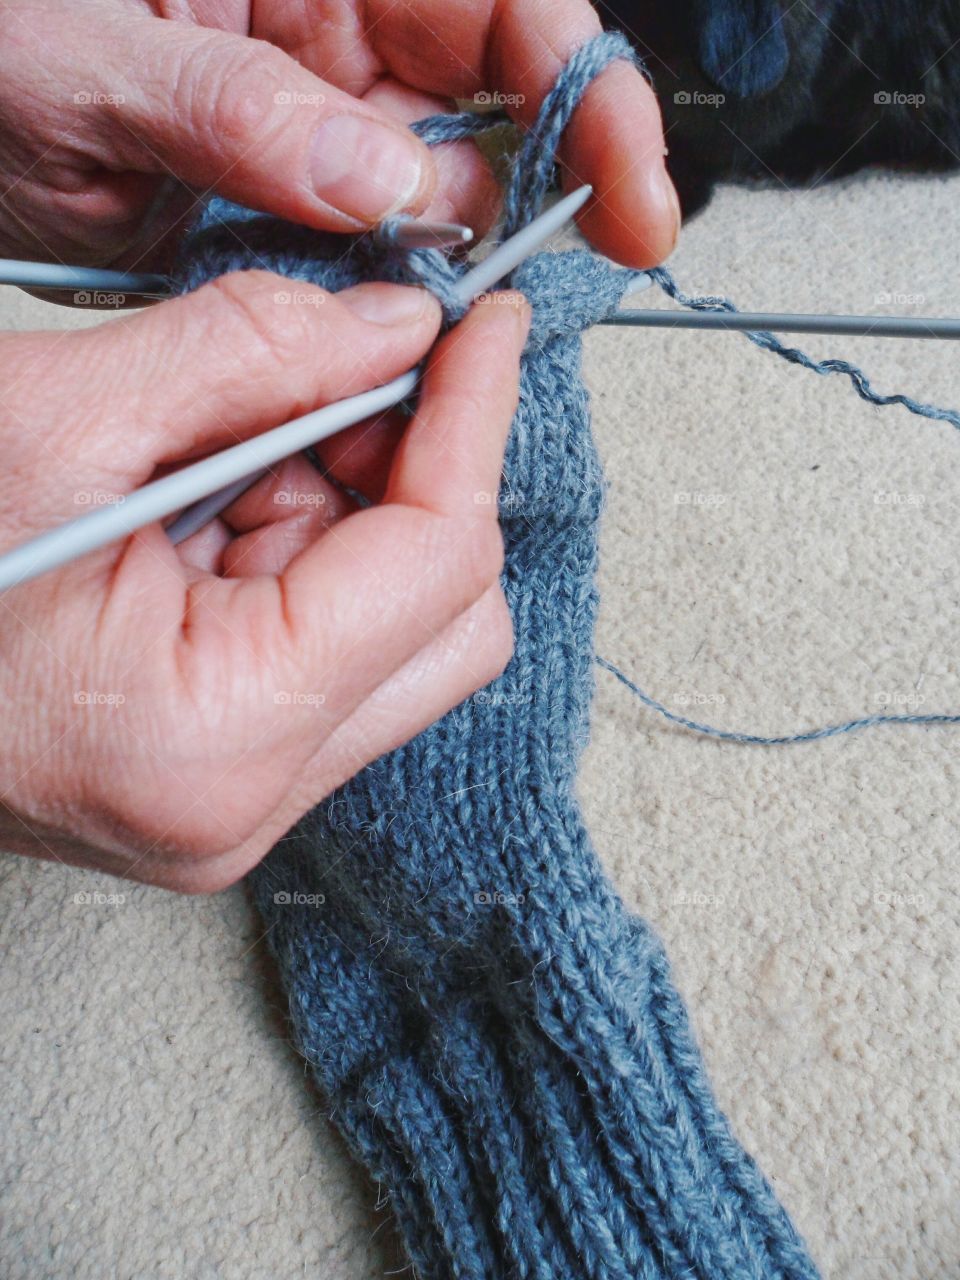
(239, 116)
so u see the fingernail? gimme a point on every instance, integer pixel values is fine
(363, 168)
(387, 303)
(670, 195)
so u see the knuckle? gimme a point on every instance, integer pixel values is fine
(176, 831)
(225, 88)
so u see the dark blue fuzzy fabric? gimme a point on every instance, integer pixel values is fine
(495, 1034)
(742, 44)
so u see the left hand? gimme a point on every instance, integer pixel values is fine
(112, 112)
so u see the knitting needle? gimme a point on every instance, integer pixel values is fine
(199, 514)
(404, 233)
(779, 322)
(414, 233)
(68, 541)
(53, 275)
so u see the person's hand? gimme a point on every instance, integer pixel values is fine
(296, 107)
(172, 711)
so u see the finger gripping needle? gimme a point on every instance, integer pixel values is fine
(161, 498)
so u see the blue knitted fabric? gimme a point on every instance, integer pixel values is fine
(496, 1035)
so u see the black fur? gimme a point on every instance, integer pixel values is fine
(812, 89)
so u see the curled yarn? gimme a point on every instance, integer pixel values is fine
(793, 355)
(494, 1032)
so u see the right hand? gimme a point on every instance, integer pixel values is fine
(177, 709)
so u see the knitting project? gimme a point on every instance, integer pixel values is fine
(497, 1035)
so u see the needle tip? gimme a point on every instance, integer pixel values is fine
(417, 233)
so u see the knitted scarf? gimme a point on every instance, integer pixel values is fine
(497, 1036)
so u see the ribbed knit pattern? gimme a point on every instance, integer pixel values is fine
(497, 1036)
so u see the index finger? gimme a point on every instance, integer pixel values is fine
(517, 48)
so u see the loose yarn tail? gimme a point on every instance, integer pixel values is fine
(793, 355)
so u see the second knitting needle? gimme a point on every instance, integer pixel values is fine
(404, 232)
(783, 322)
(161, 498)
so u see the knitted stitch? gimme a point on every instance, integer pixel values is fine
(497, 1035)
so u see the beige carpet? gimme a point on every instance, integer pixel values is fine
(777, 554)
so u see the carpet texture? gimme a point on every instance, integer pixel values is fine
(775, 554)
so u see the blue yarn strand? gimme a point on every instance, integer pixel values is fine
(863, 387)
(768, 342)
(780, 740)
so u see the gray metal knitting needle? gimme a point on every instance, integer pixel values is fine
(414, 233)
(198, 515)
(53, 275)
(779, 322)
(405, 233)
(161, 498)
